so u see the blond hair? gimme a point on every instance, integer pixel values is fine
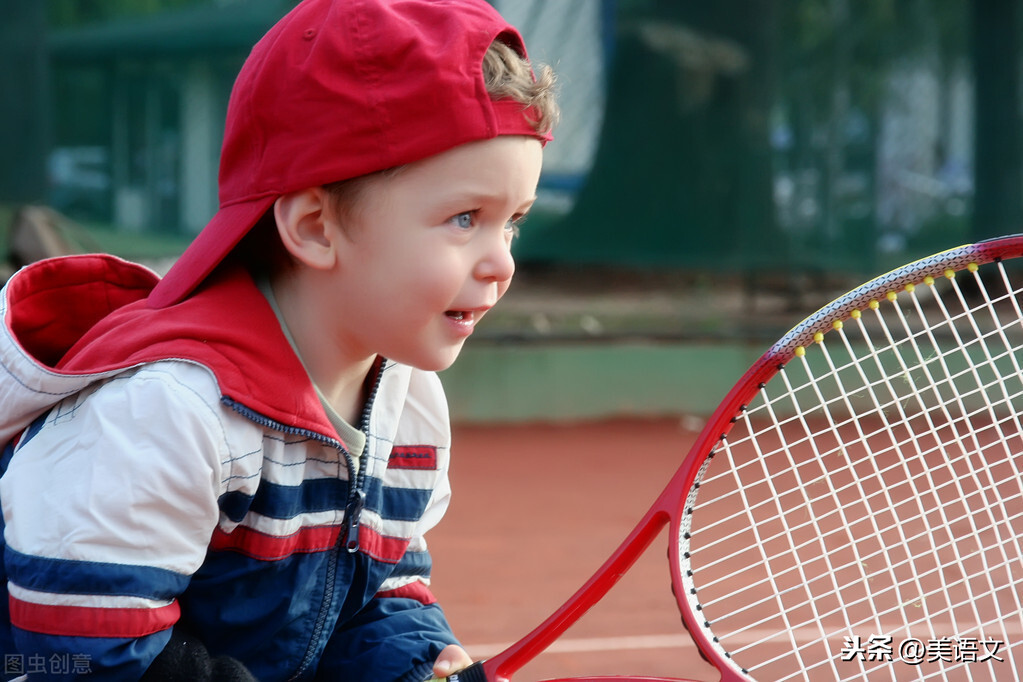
(509, 76)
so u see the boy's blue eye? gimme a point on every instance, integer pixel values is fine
(463, 220)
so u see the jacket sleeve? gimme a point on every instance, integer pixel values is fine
(390, 640)
(109, 502)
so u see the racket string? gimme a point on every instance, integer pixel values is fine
(999, 384)
(820, 473)
(845, 521)
(898, 520)
(932, 382)
(862, 493)
(814, 617)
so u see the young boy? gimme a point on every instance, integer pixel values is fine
(228, 473)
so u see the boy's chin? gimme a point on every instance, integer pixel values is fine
(437, 362)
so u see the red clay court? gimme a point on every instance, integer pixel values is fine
(537, 508)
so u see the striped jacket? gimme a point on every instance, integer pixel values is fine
(175, 464)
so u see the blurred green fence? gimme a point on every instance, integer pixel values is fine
(760, 135)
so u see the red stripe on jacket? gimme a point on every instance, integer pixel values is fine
(257, 545)
(84, 621)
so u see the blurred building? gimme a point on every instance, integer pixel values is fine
(138, 112)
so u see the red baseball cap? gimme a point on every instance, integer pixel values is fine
(342, 88)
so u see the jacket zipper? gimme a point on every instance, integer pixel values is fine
(353, 508)
(357, 500)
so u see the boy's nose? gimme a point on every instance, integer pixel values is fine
(496, 263)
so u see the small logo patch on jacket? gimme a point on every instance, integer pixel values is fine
(413, 457)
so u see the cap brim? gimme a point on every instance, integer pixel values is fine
(207, 250)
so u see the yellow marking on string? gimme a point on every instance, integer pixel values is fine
(950, 273)
(800, 351)
(891, 296)
(929, 281)
(837, 324)
(818, 337)
(910, 287)
(973, 267)
(856, 314)
(874, 305)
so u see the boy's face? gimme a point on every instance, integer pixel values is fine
(425, 252)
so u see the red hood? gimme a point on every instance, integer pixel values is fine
(88, 314)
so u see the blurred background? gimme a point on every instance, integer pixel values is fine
(722, 169)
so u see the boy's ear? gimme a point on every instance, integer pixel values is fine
(304, 229)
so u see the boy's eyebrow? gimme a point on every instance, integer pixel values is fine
(484, 197)
(528, 203)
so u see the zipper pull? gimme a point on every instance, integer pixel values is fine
(352, 513)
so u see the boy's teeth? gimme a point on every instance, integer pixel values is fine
(457, 314)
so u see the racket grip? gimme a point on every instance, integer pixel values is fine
(474, 673)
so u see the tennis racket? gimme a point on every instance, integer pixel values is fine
(854, 507)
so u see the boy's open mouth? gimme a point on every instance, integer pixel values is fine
(460, 315)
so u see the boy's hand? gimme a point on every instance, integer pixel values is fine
(452, 659)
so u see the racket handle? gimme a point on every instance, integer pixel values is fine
(474, 673)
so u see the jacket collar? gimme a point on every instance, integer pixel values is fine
(88, 315)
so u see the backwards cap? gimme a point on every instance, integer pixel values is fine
(342, 88)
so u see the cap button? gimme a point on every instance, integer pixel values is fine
(309, 34)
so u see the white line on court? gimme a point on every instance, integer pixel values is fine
(585, 644)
